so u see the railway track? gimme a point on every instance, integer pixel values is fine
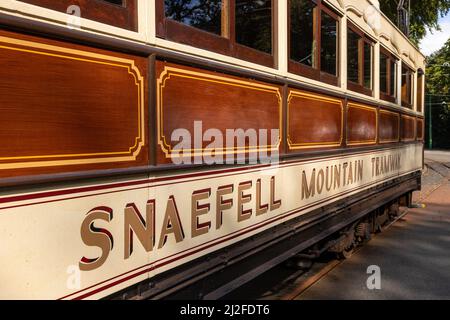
(290, 280)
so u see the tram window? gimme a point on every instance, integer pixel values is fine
(359, 61)
(117, 13)
(388, 79)
(384, 73)
(407, 81)
(254, 24)
(118, 2)
(313, 42)
(353, 40)
(202, 14)
(328, 44)
(302, 14)
(237, 28)
(393, 78)
(420, 90)
(368, 65)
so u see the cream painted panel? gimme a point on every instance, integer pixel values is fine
(43, 235)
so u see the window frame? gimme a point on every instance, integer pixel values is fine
(315, 72)
(391, 59)
(364, 38)
(408, 104)
(125, 16)
(420, 95)
(225, 43)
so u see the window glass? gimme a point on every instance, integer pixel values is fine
(328, 45)
(420, 87)
(202, 14)
(119, 2)
(117, 13)
(367, 65)
(383, 73)
(254, 24)
(406, 86)
(353, 56)
(393, 75)
(302, 41)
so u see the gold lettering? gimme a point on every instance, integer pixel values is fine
(350, 173)
(260, 208)
(345, 166)
(360, 170)
(197, 228)
(373, 167)
(274, 204)
(171, 224)
(144, 229)
(320, 181)
(308, 191)
(223, 204)
(243, 199)
(337, 177)
(329, 178)
(96, 237)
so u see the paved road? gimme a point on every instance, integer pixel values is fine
(413, 255)
(438, 156)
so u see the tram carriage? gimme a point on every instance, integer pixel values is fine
(155, 149)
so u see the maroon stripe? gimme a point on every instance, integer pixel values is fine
(111, 192)
(156, 180)
(118, 185)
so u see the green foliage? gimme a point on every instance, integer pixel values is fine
(438, 91)
(202, 14)
(438, 71)
(424, 15)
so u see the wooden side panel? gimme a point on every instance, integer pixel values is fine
(123, 16)
(408, 128)
(362, 124)
(67, 108)
(420, 129)
(314, 121)
(389, 127)
(208, 106)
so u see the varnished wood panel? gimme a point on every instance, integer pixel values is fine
(362, 124)
(314, 121)
(67, 108)
(102, 11)
(389, 126)
(408, 128)
(188, 96)
(420, 129)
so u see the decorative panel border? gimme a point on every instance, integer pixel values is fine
(59, 57)
(393, 115)
(167, 73)
(420, 125)
(361, 125)
(408, 128)
(326, 101)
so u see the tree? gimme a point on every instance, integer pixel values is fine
(438, 71)
(438, 91)
(202, 14)
(424, 15)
